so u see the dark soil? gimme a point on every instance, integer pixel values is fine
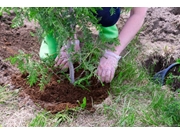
(56, 96)
(156, 63)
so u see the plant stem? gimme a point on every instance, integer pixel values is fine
(71, 67)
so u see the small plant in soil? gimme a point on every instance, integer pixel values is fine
(62, 23)
(34, 71)
(83, 104)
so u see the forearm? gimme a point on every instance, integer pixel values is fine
(130, 29)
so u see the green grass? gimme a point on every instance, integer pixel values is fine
(137, 100)
(44, 119)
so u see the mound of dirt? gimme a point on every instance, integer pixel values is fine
(61, 96)
(162, 24)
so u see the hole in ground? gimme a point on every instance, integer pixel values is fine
(156, 63)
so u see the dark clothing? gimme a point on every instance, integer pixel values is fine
(106, 18)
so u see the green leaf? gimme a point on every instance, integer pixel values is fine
(112, 11)
(32, 77)
(83, 105)
(32, 34)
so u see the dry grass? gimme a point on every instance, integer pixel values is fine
(12, 113)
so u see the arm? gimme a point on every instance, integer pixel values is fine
(131, 28)
(109, 61)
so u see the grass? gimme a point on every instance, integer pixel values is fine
(44, 119)
(6, 94)
(8, 100)
(137, 100)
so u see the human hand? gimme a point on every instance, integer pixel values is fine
(62, 59)
(107, 66)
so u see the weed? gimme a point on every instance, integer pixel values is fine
(40, 120)
(83, 104)
(59, 118)
(35, 71)
(44, 119)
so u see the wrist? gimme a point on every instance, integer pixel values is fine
(112, 54)
(119, 49)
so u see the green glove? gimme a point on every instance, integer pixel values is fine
(48, 47)
(109, 32)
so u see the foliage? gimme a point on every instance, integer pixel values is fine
(35, 71)
(83, 104)
(44, 119)
(63, 23)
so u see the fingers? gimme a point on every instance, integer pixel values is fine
(58, 61)
(106, 75)
(103, 75)
(62, 62)
(66, 66)
(107, 78)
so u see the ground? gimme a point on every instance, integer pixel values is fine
(159, 39)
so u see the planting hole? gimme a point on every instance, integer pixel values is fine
(156, 63)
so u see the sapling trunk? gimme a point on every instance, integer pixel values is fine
(71, 67)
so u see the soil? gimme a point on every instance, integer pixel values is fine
(56, 96)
